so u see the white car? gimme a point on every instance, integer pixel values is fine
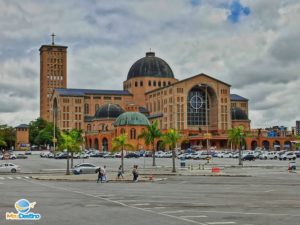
(9, 168)
(227, 155)
(288, 155)
(159, 154)
(85, 168)
(269, 155)
(201, 155)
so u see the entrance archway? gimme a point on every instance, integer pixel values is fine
(185, 144)
(266, 145)
(96, 144)
(276, 145)
(104, 145)
(287, 145)
(253, 145)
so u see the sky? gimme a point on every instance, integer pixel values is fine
(254, 45)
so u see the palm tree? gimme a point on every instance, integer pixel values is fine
(71, 141)
(236, 137)
(149, 135)
(171, 138)
(120, 142)
(2, 143)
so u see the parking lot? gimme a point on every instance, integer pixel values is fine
(35, 164)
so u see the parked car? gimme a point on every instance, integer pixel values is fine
(269, 155)
(63, 155)
(12, 156)
(288, 156)
(132, 155)
(22, 156)
(96, 154)
(148, 154)
(28, 152)
(9, 168)
(85, 168)
(248, 157)
(108, 155)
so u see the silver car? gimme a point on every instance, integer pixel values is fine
(9, 168)
(85, 168)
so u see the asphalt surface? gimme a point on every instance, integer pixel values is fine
(35, 164)
(269, 199)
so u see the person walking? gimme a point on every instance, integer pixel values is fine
(135, 173)
(104, 175)
(120, 173)
(99, 174)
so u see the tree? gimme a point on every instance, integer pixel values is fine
(71, 141)
(236, 136)
(149, 135)
(45, 135)
(8, 135)
(2, 142)
(120, 143)
(34, 129)
(171, 138)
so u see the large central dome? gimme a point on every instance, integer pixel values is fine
(150, 66)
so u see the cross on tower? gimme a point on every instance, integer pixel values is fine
(53, 35)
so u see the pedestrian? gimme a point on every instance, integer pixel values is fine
(99, 170)
(135, 173)
(120, 173)
(104, 175)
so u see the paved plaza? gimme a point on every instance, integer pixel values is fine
(262, 192)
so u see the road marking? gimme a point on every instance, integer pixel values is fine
(140, 204)
(92, 205)
(115, 202)
(170, 212)
(27, 177)
(242, 213)
(10, 178)
(2, 178)
(159, 207)
(19, 178)
(215, 223)
(269, 191)
(200, 216)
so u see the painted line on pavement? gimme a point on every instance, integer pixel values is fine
(140, 204)
(2, 178)
(200, 216)
(170, 212)
(244, 213)
(221, 223)
(10, 178)
(268, 191)
(19, 178)
(116, 202)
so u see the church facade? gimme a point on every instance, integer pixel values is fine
(201, 107)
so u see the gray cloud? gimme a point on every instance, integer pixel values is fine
(258, 55)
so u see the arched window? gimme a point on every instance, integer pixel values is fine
(154, 83)
(96, 107)
(159, 84)
(141, 83)
(122, 131)
(132, 133)
(197, 106)
(136, 83)
(89, 128)
(149, 83)
(86, 108)
(169, 83)
(164, 83)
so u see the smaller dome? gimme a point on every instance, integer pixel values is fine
(238, 114)
(108, 111)
(132, 118)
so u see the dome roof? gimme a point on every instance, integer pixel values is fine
(132, 118)
(108, 111)
(150, 66)
(238, 114)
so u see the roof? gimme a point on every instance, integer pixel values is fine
(156, 115)
(132, 119)
(53, 46)
(108, 111)
(83, 92)
(23, 126)
(235, 97)
(201, 74)
(150, 65)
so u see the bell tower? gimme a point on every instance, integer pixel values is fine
(53, 74)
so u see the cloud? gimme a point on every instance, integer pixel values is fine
(256, 51)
